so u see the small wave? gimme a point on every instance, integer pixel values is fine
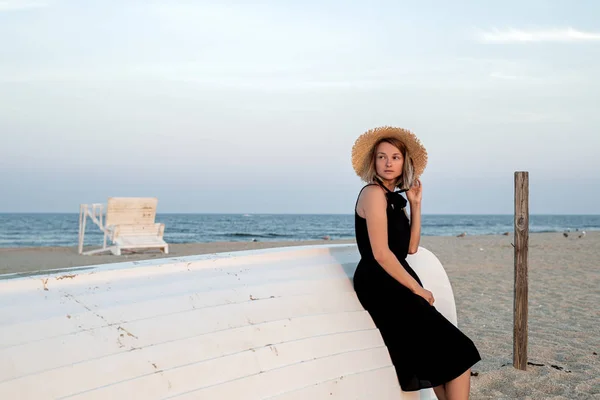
(434, 224)
(555, 230)
(262, 235)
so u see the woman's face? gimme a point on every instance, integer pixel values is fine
(388, 161)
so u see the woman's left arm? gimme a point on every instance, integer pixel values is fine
(414, 195)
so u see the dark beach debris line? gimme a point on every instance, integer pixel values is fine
(558, 367)
(534, 364)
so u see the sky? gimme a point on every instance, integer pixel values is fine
(244, 107)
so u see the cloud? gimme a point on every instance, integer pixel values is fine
(523, 77)
(509, 116)
(527, 36)
(501, 75)
(14, 5)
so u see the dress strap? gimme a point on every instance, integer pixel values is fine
(395, 198)
(385, 187)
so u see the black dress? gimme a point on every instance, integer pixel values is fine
(426, 349)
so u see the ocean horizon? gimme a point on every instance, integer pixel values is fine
(40, 229)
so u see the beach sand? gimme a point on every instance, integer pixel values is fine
(564, 298)
(30, 259)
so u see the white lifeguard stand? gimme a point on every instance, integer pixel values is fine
(129, 223)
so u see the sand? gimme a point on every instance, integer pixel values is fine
(15, 260)
(564, 298)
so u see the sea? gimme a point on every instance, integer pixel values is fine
(40, 230)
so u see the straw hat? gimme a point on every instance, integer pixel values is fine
(361, 151)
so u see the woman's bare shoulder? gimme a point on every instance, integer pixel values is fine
(370, 196)
(372, 190)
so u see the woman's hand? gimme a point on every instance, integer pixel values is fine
(414, 194)
(426, 294)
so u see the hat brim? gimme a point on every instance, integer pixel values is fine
(363, 146)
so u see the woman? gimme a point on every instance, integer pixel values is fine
(427, 350)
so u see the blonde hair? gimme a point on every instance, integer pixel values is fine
(406, 178)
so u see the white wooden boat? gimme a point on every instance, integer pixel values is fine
(280, 324)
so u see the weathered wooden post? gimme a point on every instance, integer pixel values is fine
(521, 284)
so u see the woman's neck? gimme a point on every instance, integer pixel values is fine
(388, 184)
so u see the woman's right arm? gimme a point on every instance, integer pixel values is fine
(374, 204)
